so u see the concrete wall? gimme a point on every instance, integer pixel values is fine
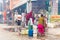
(54, 8)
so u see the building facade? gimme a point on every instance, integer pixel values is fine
(54, 7)
(19, 5)
(58, 7)
(40, 4)
(1, 11)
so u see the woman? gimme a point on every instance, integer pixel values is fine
(41, 25)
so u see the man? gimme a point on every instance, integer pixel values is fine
(17, 22)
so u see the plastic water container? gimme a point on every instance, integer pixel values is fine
(30, 33)
(35, 35)
(24, 31)
(34, 31)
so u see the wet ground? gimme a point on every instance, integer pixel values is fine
(6, 35)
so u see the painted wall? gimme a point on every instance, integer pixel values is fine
(16, 3)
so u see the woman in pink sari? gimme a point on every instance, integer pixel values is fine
(41, 25)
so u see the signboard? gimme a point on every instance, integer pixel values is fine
(55, 18)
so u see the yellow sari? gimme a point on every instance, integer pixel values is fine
(41, 20)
